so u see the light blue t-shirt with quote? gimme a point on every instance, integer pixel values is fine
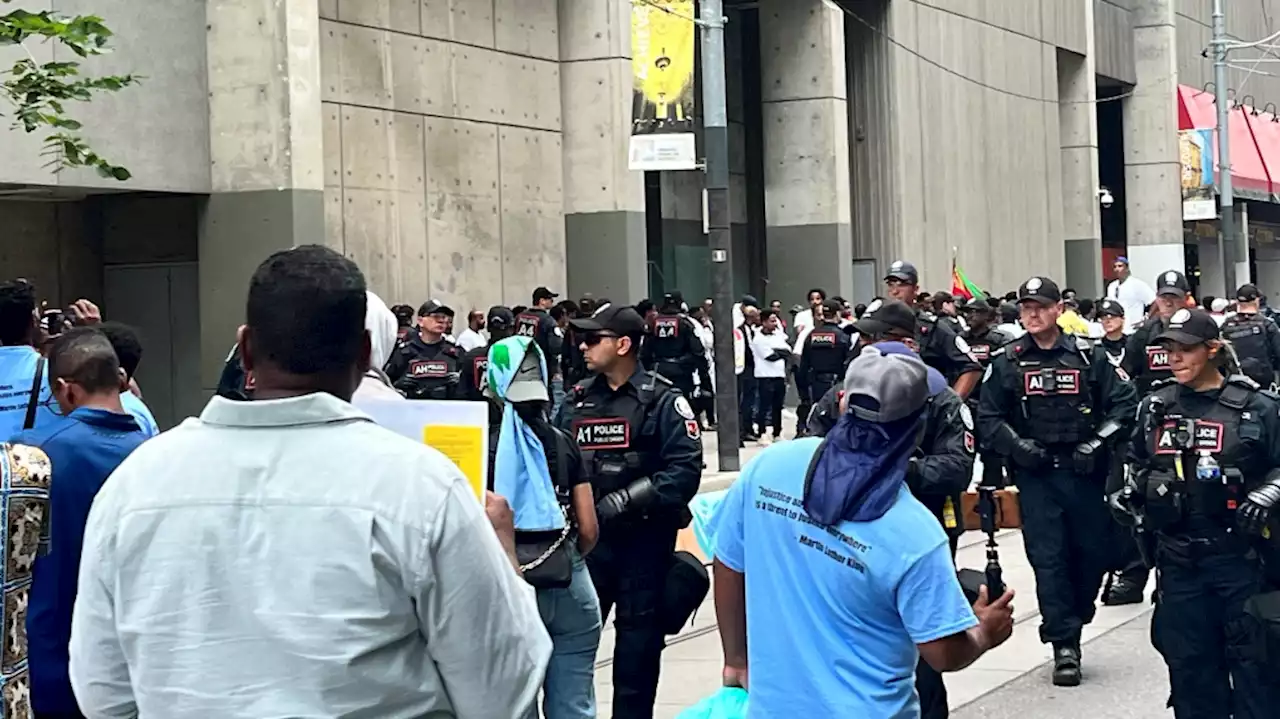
(834, 614)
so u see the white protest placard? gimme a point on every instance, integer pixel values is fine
(458, 430)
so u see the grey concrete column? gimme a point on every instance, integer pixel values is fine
(1152, 171)
(806, 148)
(1078, 130)
(603, 200)
(267, 155)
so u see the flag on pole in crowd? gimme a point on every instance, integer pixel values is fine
(960, 284)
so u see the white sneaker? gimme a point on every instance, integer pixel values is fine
(765, 440)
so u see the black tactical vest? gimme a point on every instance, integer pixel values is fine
(609, 433)
(1056, 395)
(1229, 433)
(527, 324)
(1248, 336)
(430, 377)
(825, 352)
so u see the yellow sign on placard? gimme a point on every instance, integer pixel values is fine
(465, 446)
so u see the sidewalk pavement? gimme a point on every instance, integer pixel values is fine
(1123, 674)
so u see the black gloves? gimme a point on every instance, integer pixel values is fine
(637, 495)
(778, 355)
(1254, 514)
(1085, 458)
(1028, 454)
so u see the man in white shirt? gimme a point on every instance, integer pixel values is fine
(286, 556)
(1131, 292)
(770, 351)
(473, 336)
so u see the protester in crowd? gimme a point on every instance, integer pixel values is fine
(1218, 309)
(84, 449)
(1070, 320)
(290, 545)
(128, 348)
(770, 352)
(24, 505)
(864, 572)
(539, 469)
(382, 327)
(1131, 292)
(473, 336)
(1009, 322)
(24, 384)
(807, 317)
(747, 320)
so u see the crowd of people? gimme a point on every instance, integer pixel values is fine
(283, 555)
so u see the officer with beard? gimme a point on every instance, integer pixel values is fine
(1255, 338)
(428, 366)
(1054, 407)
(475, 363)
(824, 356)
(942, 466)
(1144, 360)
(674, 348)
(642, 447)
(1206, 481)
(940, 347)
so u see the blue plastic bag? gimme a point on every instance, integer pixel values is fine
(727, 703)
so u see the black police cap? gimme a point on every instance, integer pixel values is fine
(885, 315)
(434, 307)
(501, 317)
(903, 272)
(1172, 283)
(1248, 293)
(617, 319)
(1110, 308)
(1190, 327)
(1040, 289)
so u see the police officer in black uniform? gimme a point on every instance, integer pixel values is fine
(942, 467)
(428, 366)
(984, 341)
(825, 355)
(674, 348)
(536, 323)
(1206, 482)
(1254, 337)
(1145, 361)
(1110, 314)
(1053, 406)
(501, 323)
(940, 347)
(642, 446)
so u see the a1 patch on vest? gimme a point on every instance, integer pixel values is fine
(479, 367)
(527, 325)
(666, 327)
(692, 429)
(1158, 359)
(428, 369)
(606, 433)
(1050, 382)
(1207, 436)
(683, 408)
(822, 339)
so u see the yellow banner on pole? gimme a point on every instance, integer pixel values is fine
(663, 34)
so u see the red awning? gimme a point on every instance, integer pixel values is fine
(1266, 133)
(1249, 172)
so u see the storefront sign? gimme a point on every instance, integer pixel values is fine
(662, 98)
(1195, 148)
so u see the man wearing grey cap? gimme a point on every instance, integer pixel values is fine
(865, 568)
(940, 346)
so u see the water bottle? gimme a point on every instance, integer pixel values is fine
(1207, 469)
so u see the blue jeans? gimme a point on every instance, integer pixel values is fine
(557, 396)
(572, 618)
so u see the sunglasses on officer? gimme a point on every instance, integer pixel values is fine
(595, 338)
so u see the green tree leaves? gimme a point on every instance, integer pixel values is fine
(37, 94)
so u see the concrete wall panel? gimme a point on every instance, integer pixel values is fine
(507, 89)
(526, 156)
(401, 15)
(462, 158)
(792, 167)
(1113, 41)
(799, 58)
(363, 64)
(596, 176)
(594, 29)
(334, 224)
(329, 9)
(422, 75)
(527, 27)
(464, 21)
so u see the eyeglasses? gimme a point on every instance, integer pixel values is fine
(596, 338)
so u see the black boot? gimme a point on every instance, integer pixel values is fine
(1123, 591)
(1066, 665)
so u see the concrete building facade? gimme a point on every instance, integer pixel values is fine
(472, 150)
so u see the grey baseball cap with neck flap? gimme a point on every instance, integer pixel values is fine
(885, 388)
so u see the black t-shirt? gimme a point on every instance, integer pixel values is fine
(558, 448)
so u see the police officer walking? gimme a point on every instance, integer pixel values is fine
(475, 363)
(984, 341)
(824, 355)
(940, 347)
(642, 446)
(1254, 337)
(674, 348)
(427, 365)
(537, 324)
(1206, 474)
(942, 467)
(1054, 406)
(1145, 361)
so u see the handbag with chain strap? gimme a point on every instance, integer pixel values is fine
(545, 558)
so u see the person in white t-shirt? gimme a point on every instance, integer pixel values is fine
(1131, 292)
(770, 350)
(473, 336)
